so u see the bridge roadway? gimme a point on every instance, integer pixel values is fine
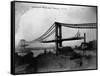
(67, 39)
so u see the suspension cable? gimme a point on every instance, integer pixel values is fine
(46, 32)
(42, 36)
(81, 26)
(48, 35)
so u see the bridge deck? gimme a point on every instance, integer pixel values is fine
(68, 39)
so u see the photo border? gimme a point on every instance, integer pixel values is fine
(13, 35)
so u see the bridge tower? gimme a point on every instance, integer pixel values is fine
(58, 36)
(84, 37)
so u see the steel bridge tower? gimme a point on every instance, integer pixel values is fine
(58, 36)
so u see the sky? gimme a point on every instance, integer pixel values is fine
(32, 20)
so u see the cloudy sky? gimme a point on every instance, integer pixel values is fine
(32, 20)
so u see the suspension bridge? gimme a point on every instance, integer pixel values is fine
(56, 29)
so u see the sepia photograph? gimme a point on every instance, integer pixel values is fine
(52, 37)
